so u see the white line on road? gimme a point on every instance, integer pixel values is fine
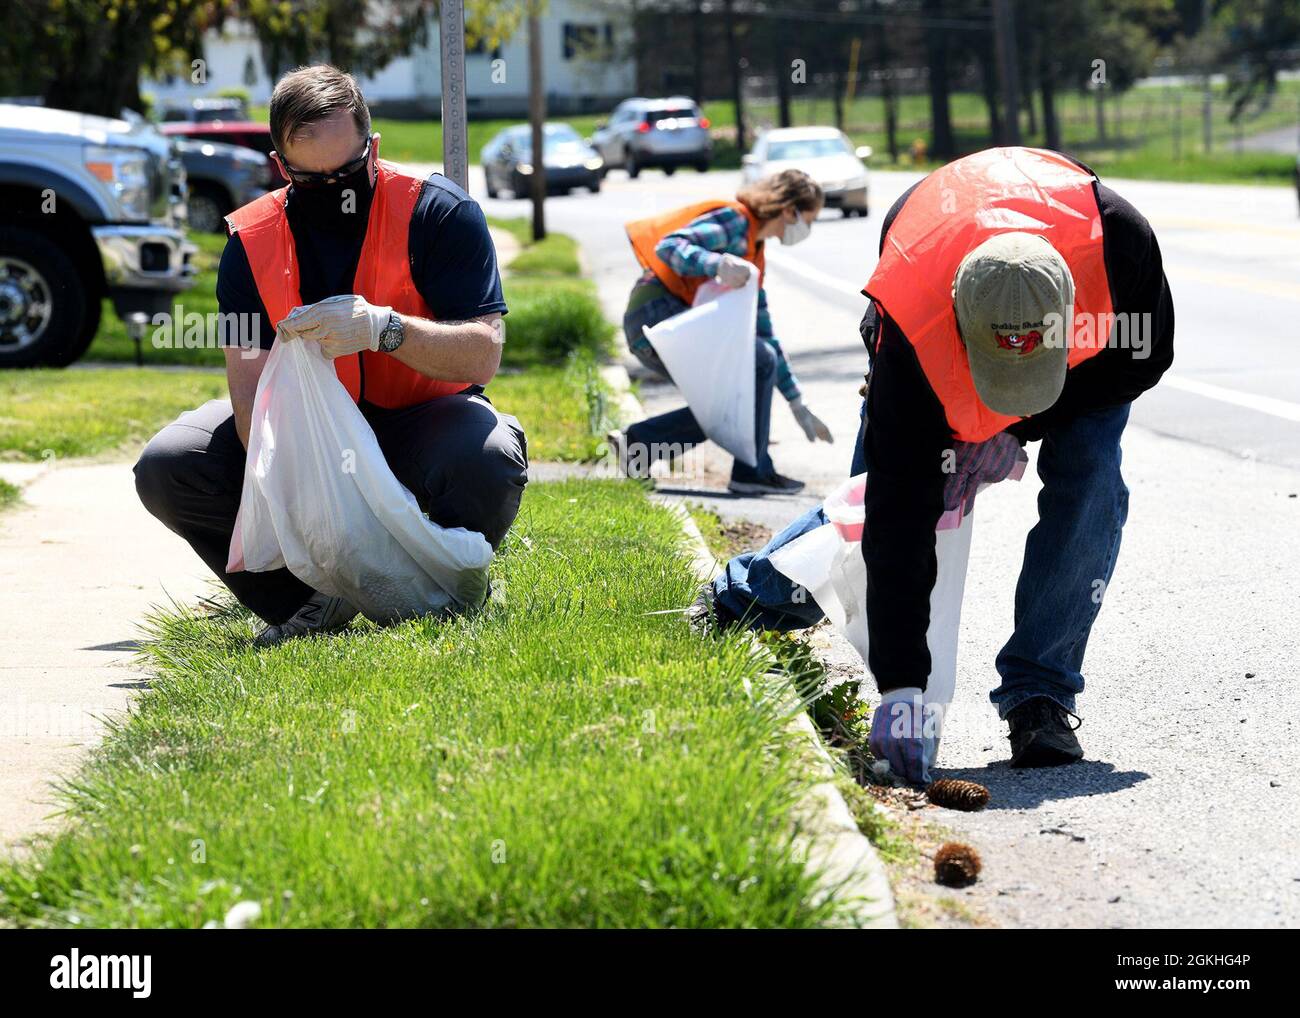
(1282, 408)
(1288, 411)
(798, 268)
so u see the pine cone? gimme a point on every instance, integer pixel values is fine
(954, 793)
(956, 865)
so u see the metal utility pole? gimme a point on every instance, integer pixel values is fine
(1004, 29)
(455, 133)
(536, 117)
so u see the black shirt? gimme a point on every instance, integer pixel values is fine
(907, 432)
(453, 261)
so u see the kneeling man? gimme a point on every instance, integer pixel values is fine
(414, 346)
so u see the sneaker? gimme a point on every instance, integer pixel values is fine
(1041, 734)
(773, 484)
(705, 615)
(637, 471)
(321, 614)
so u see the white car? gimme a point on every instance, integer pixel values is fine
(824, 153)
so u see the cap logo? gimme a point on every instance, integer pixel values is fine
(1023, 342)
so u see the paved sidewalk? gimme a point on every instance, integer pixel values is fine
(80, 563)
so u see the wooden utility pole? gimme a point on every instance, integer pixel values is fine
(455, 132)
(537, 118)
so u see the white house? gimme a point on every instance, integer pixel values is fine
(584, 54)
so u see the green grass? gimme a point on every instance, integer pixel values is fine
(113, 344)
(10, 494)
(555, 331)
(554, 310)
(566, 411)
(556, 254)
(566, 757)
(97, 410)
(91, 411)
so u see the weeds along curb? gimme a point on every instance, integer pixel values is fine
(838, 850)
(843, 856)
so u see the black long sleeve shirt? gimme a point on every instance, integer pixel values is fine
(907, 434)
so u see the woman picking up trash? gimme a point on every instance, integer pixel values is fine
(681, 250)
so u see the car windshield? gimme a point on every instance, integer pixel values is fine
(807, 148)
(554, 136)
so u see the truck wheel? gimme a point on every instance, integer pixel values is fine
(632, 167)
(208, 207)
(43, 302)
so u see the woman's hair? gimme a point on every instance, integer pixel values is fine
(769, 197)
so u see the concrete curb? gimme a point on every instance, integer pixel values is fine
(846, 860)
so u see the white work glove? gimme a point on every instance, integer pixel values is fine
(812, 425)
(898, 735)
(342, 325)
(734, 271)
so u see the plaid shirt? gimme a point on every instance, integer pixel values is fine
(696, 250)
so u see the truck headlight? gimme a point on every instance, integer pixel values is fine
(594, 164)
(126, 172)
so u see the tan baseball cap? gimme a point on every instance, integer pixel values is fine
(1014, 299)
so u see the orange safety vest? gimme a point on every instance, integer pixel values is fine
(951, 212)
(645, 235)
(383, 277)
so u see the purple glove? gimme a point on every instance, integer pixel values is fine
(898, 735)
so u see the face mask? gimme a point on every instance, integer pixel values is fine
(340, 207)
(796, 231)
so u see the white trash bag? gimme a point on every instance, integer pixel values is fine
(320, 499)
(709, 352)
(828, 563)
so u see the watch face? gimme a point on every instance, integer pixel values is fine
(391, 338)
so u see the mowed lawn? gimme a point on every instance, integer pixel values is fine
(566, 757)
(555, 336)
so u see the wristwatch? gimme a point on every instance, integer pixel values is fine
(393, 335)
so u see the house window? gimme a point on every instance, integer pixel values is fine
(588, 40)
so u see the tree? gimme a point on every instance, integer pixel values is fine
(942, 144)
(88, 55)
(360, 36)
(737, 77)
(1258, 35)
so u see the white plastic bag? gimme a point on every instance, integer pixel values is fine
(320, 499)
(828, 563)
(709, 352)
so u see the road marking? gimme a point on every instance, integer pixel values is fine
(1285, 409)
(798, 268)
(1267, 287)
(1226, 226)
(1282, 408)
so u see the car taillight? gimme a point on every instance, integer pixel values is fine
(643, 127)
(704, 122)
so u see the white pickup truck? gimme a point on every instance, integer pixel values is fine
(90, 207)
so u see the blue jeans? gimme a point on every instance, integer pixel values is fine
(751, 589)
(677, 431)
(1069, 559)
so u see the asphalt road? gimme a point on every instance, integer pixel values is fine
(1185, 811)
